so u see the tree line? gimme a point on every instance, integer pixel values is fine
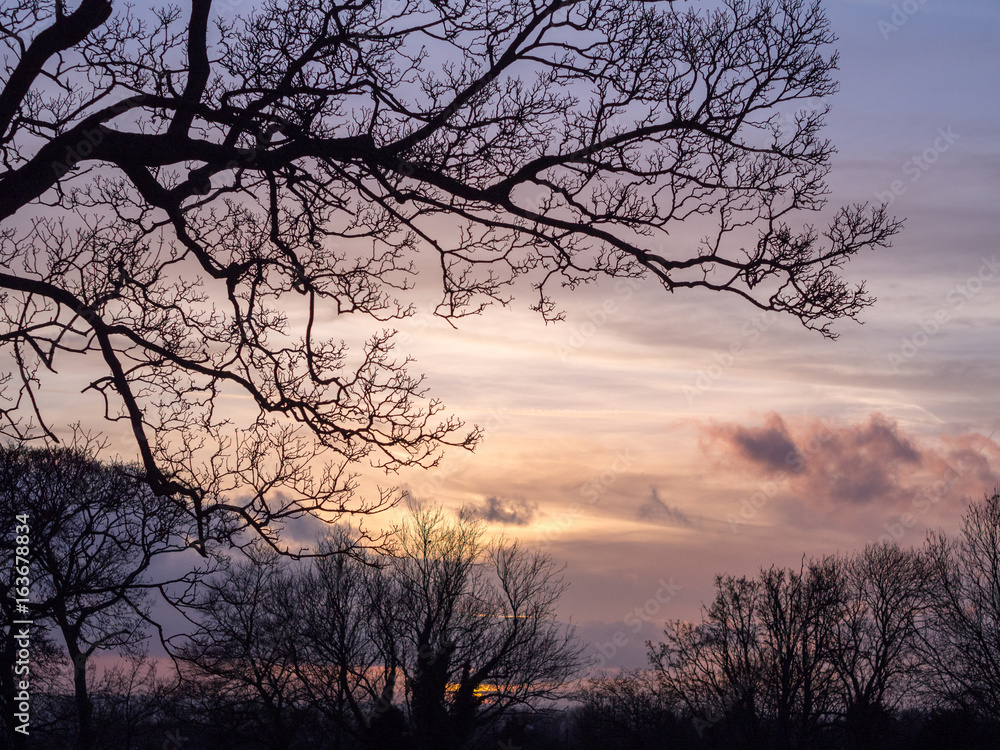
(440, 635)
(423, 639)
(880, 648)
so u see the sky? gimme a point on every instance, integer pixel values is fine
(653, 441)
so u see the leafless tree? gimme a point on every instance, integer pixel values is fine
(758, 665)
(95, 531)
(714, 669)
(962, 632)
(129, 696)
(243, 649)
(799, 618)
(190, 197)
(626, 711)
(876, 649)
(437, 640)
(278, 645)
(478, 634)
(347, 650)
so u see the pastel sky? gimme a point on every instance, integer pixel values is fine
(652, 441)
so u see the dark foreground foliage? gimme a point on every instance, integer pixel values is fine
(448, 638)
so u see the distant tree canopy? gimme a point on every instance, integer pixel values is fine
(962, 638)
(449, 638)
(418, 650)
(189, 197)
(422, 644)
(831, 655)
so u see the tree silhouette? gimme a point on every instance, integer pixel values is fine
(479, 634)
(963, 627)
(756, 671)
(95, 532)
(714, 669)
(191, 200)
(348, 646)
(836, 653)
(876, 650)
(244, 649)
(627, 711)
(423, 648)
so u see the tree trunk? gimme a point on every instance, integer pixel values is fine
(430, 717)
(81, 697)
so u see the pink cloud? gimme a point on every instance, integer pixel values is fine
(874, 463)
(769, 447)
